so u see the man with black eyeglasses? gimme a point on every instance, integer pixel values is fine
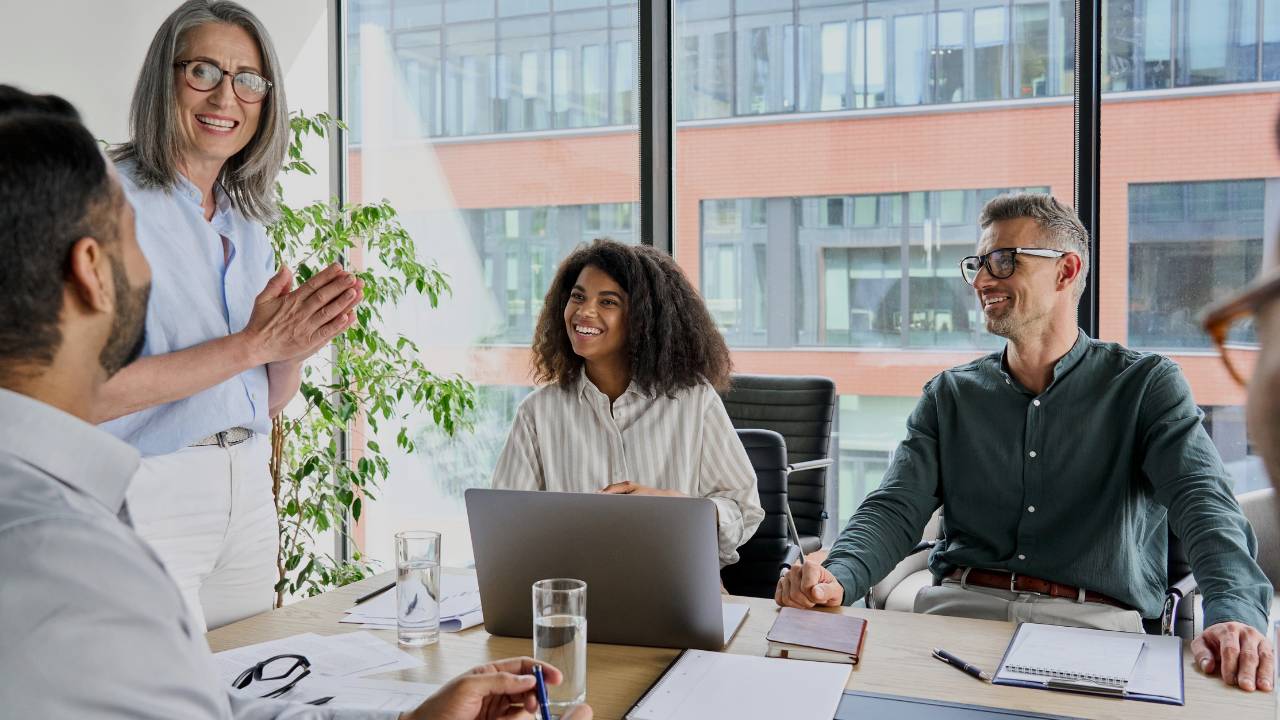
(91, 626)
(1060, 464)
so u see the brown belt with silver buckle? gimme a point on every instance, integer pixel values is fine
(1013, 582)
(226, 438)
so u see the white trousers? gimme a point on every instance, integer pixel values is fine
(209, 513)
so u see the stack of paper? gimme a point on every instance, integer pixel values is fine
(351, 655)
(338, 664)
(360, 693)
(459, 606)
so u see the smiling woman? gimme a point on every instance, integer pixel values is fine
(632, 360)
(226, 333)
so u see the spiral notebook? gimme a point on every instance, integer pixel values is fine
(1129, 665)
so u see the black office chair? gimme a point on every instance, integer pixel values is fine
(761, 559)
(801, 409)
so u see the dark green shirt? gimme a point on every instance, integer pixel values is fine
(1079, 485)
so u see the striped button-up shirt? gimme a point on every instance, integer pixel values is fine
(572, 440)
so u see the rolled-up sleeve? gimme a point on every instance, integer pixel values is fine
(890, 520)
(1189, 479)
(726, 477)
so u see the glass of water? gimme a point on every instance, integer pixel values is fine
(417, 587)
(560, 638)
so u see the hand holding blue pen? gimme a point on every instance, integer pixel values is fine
(542, 692)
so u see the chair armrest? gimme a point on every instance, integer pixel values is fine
(1169, 615)
(1185, 586)
(809, 465)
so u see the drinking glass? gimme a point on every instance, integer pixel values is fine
(560, 638)
(417, 587)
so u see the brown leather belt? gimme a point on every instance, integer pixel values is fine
(1013, 582)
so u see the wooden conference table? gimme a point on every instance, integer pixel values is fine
(896, 661)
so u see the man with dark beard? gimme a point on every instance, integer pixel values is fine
(90, 623)
(1060, 463)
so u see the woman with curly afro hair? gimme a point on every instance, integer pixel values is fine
(630, 361)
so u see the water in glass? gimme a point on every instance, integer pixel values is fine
(561, 640)
(418, 602)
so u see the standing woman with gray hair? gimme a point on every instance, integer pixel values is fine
(226, 332)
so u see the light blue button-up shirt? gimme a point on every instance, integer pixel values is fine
(197, 297)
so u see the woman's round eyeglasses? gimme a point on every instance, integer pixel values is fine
(1230, 324)
(204, 76)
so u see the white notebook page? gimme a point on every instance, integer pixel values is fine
(1050, 651)
(706, 684)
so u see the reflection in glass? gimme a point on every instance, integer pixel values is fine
(989, 44)
(1189, 245)
(521, 248)
(908, 60)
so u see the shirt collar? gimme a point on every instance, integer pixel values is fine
(586, 387)
(222, 201)
(1065, 364)
(64, 446)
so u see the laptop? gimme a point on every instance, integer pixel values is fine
(650, 563)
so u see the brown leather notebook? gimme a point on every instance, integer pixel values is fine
(816, 635)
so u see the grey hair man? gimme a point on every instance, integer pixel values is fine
(1060, 463)
(92, 624)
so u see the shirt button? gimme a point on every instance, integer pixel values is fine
(1022, 557)
(1036, 403)
(1031, 508)
(1032, 453)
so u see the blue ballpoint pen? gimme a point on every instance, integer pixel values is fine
(542, 692)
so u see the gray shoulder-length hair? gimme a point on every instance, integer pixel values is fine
(155, 145)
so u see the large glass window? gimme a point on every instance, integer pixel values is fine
(831, 245)
(1188, 182)
(498, 212)
(1153, 44)
(825, 242)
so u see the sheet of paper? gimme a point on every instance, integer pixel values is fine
(449, 625)
(361, 693)
(1159, 670)
(734, 614)
(459, 606)
(706, 684)
(1068, 653)
(351, 654)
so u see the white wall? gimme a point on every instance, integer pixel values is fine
(89, 52)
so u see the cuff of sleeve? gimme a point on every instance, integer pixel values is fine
(728, 529)
(847, 581)
(1228, 609)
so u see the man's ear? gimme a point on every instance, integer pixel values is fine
(88, 273)
(1069, 270)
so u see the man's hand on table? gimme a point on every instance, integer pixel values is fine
(807, 585)
(502, 690)
(1238, 653)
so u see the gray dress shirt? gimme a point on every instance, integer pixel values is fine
(1079, 485)
(91, 626)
